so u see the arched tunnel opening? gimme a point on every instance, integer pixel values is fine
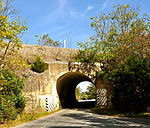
(85, 91)
(66, 85)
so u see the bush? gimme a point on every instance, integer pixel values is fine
(12, 102)
(131, 82)
(38, 65)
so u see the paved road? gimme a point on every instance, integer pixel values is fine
(76, 118)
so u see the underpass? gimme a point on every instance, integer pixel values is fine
(66, 86)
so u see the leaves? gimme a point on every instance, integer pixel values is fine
(118, 34)
(10, 32)
(38, 65)
(12, 102)
(121, 47)
(45, 40)
(131, 84)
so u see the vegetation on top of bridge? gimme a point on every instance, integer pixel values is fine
(45, 40)
(38, 65)
(121, 47)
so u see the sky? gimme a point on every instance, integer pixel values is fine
(66, 19)
(83, 85)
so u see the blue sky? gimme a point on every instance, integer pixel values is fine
(66, 19)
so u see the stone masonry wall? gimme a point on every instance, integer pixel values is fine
(40, 89)
(46, 52)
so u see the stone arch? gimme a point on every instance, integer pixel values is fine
(66, 85)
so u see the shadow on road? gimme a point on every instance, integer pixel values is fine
(94, 120)
(65, 127)
(83, 118)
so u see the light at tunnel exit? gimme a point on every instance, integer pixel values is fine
(83, 85)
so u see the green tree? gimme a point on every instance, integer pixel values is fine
(83, 96)
(78, 93)
(119, 35)
(131, 84)
(45, 40)
(10, 30)
(91, 92)
(38, 65)
(12, 101)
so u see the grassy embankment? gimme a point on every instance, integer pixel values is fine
(25, 117)
(110, 112)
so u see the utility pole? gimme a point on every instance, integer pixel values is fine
(64, 43)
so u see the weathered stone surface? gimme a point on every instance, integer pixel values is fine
(43, 86)
(46, 52)
(40, 88)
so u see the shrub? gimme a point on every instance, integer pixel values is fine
(131, 82)
(12, 102)
(38, 65)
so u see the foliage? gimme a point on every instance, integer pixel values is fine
(12, 102)
(131, 82)
(121, 47)
(38, 65)
(90, 93)
(118, 34)
(87, 59)
(83, 96)
(78, 92)
(6, 8)
(45, 40)
(10, 31)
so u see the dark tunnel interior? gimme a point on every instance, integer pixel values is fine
(66, 85)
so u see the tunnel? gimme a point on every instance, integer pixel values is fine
(66, 85)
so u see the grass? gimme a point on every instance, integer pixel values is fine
(111, 112)
(25, 117)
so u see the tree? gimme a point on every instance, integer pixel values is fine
(12, 101)
(131, 82)
(78, 93)
(120, 35)
(45, 40)
(10, 30)
(38, 65)
(91, 92)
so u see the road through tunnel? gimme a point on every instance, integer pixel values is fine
(66, 85)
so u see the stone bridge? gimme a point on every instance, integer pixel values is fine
(55, 87)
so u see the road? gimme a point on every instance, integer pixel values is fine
(77, 118)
